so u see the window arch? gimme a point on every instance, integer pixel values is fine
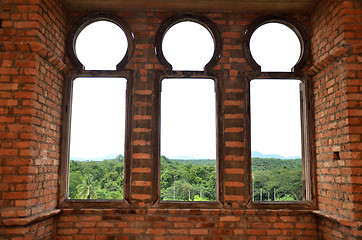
(92, 30)
(101, 45)
(181, 24)
(275, 47)
(277, 21)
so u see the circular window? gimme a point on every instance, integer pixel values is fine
(188, 46)
(276, 44)
(188, 43)
(101, 46)
(275, 47)
(100, 42)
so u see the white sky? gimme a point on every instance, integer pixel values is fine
(275, 47)
(275, 117)
(97, 127)
(101, 46)
(191, 41)
(188, 118)
(98, 117)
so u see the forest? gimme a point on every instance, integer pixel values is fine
(187, 180)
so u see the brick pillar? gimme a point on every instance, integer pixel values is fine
(31, 83)
(336, 49)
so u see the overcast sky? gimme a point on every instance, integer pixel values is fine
(97, 127)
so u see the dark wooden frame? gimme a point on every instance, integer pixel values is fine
(219, 141)
(197, 18)
(309, 176)
(77, 71)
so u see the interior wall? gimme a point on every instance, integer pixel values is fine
(336, 53)
(146, 219)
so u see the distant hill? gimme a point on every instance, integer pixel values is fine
(195, 161)
(255, 154)
(184, 158)
(110, 156)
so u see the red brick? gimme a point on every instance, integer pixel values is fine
(132, 230)
(199, 231)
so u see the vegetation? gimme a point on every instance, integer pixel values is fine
(96, 179)
(187, 180)
(277, 179)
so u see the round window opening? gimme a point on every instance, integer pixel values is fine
(275, 47)
(188, 46)
(101, 46)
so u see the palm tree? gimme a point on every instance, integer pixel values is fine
(87, 189)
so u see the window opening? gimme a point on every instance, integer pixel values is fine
(188, 140)
(97, 138)
(275, 47)
(276, 141)
(188, 46)
(101, 46)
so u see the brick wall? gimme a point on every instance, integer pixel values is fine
(186, 224)
(336, 52)
(145, 219)
(32, 72)
(31, 84)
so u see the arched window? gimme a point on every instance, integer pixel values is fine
(188, 46)
(99, 46)
(188, 42)
(276, 48)
(188, 126)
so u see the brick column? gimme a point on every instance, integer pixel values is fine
(31, 84)
(336, 49)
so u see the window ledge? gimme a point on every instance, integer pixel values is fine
(23, 221)
(188, 205)
(343, 221)
(94, 204)
(298, 205)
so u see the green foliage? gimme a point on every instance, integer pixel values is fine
(277, 177)
(96, 179)
(187, 180)
(87, 189)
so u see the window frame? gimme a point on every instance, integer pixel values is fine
(206, 73)
(77, 71)
(297, 73)
(156, 196)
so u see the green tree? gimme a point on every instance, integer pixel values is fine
(87, 189)
(75, 178)
(186, 179)
(284, 177)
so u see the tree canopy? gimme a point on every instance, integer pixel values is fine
(187, 180)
